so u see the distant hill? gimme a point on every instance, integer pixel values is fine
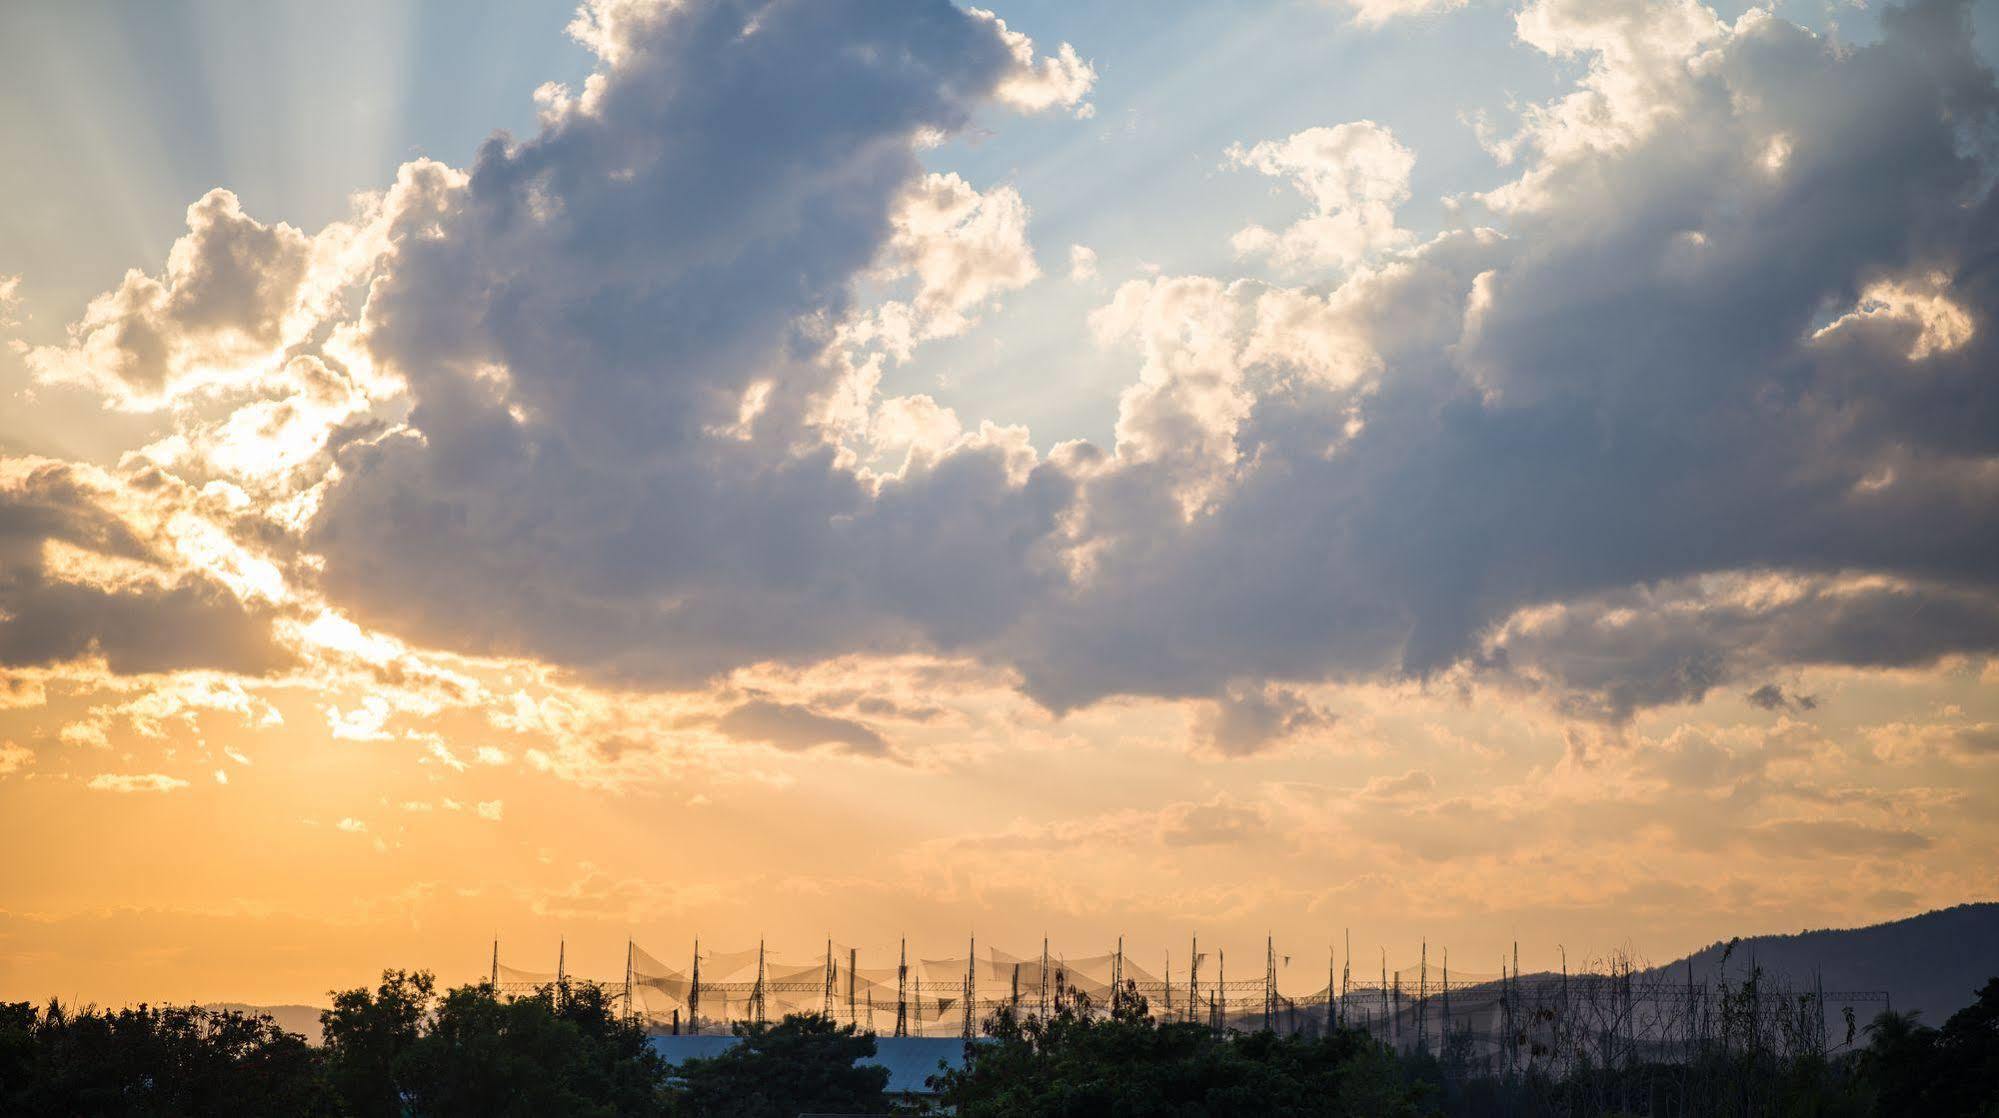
(300, 1019)
(1934, 963)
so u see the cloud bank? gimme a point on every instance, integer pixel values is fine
(1701, 393)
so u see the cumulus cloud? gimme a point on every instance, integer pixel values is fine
(646, 361)
(1060, 80)
(1641, 57)
(1593, 413)
(1354, 175)
(962, 247)
(1904, 742)
(10, 300)
(234, 294)
(1705, 403)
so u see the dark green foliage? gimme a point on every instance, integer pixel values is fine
(1910, 1068)
(403, 1051)
(801, 1064)
(562, 1050)
(1070, 1064)
(1073, 1065)
(177, 1060)
(367, 1036)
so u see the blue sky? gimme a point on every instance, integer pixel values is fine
(132, 112)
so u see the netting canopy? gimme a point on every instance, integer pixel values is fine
(1497, 1016)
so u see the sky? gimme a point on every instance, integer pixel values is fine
(1459, 473)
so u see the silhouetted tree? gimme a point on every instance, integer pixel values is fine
(368, 1035)
(802, 1064)
(562, 1050)
(143, 1061)
(1071, 1064)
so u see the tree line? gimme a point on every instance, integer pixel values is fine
(403, 1049)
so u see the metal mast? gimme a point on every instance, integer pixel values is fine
(902, 991)
(971, 980)
(694, 992)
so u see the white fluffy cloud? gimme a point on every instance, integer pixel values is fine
(1354, 175)
(963, 249)
(1060, 80)
(235, 293)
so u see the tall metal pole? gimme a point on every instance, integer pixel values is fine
(1445, 1044)
(1117, 978)
(1269, 977)
(694, 993)
(853, 954)
(1193, 977)
(1423, 999)
(971, 981)
(902, 991)
(496, 966)
(1346, 975)
(629, 1010)
(1387, 1021)
(1564, 1032)
(1332, 1002)
(1044, 976)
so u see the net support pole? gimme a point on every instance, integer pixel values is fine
(694, 993)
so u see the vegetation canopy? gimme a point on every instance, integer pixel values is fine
(403, 1050)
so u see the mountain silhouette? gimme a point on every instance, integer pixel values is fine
(1933, 963)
